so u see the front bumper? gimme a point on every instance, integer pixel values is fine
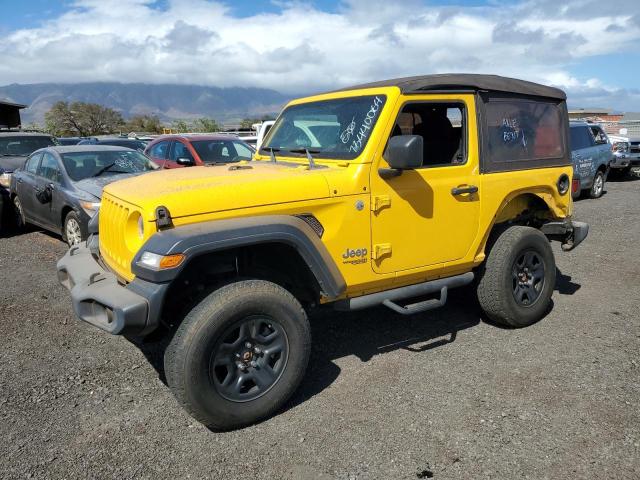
(568, 232)
(99, 299)
(620, 160)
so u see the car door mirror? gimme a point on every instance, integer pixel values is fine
(404, 152)
(187, 162)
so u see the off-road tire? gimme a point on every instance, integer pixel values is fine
(189, 357)
(72, 216)
(597, 189)
(496, 283)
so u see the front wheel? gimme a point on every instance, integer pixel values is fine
(71, 230)
(598, 185)
(518, 277)
(239, 354)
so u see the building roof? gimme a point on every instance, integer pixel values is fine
(631, 117)
(11, 104)
(466, 81)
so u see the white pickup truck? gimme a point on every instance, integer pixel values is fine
(624, 156)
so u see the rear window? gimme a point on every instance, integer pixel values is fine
(523, 130)
(23, 145)
(580, 137)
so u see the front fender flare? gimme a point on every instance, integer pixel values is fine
(218, 235)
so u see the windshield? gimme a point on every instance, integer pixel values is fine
(329, 129)
(23, 145)
(221, 151)
(81, 165)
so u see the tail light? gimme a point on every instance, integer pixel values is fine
(575, 186)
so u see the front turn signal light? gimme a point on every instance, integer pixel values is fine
(160, 262)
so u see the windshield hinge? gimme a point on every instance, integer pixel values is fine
(379, 202)
(163, 218)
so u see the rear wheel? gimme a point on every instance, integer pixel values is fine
(239, 354)
(21, 221)
(598, 185)
(518, 277)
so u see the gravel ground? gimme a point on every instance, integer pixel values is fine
(440, 395)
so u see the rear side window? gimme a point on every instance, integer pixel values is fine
(580, 138)
(523, 130)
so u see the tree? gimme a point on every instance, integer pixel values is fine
(248, 122)
(144, 123)
(82, 119)
(205, 125)
(180, 126)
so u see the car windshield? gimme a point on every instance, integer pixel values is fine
(329, 129)
(23, 146)
(221, 151)
(81, 165)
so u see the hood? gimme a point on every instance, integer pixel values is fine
(95, 185)
(206, 189)
(9, 164)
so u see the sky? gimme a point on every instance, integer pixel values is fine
(589, 48)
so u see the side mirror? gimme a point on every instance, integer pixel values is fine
(404, 152)
(187, 162)
(45, 195)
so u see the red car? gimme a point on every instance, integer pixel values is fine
(172, 151)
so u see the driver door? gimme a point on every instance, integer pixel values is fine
(48, 179)
(428, 216)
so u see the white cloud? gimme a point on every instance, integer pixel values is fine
(302, 49)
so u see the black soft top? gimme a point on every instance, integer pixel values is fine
(466, 81)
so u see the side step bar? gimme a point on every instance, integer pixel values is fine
(389, 297)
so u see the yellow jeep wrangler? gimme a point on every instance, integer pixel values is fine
(389, 193)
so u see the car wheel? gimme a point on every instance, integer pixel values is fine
(598, 185)
(239, 354)
(21, 221)
(518, 277)
(71, 231)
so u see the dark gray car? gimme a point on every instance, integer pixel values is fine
(59, 188)
(15, 146)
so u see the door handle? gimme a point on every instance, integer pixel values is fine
(462, 190)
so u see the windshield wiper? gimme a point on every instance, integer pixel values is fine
(308, 151)
(13, 154)
(103, 169)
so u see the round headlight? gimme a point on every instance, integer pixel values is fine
(134, 231)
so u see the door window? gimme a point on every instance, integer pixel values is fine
(442, 127)
(599, 135)
(180, 150)
(32, 164)
(160, 150)
(580, 137)
(49, 168)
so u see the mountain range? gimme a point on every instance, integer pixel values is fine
(169, 102)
